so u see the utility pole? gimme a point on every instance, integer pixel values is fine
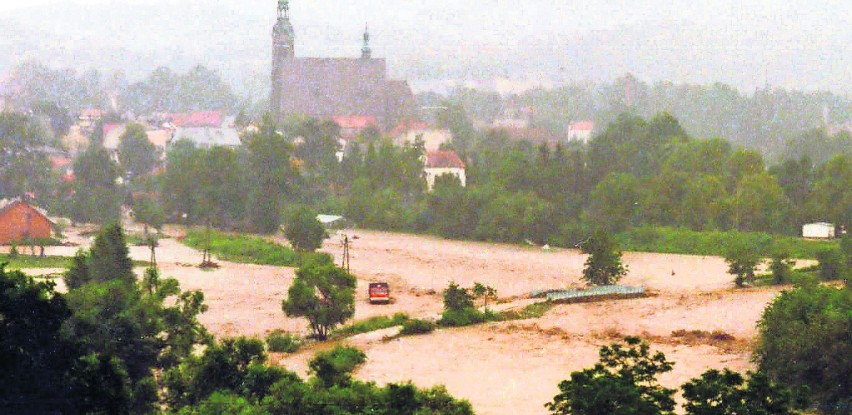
(345, 264)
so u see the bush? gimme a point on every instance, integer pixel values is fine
(457, 298)
(417, 326)
(831, 264)
(466, 317)
(371, 324)
(247, 249)
(280, 342)
(804, 341)
(333, 367)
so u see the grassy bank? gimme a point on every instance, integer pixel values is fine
(48, 261)
(27, 261)
(685, 241)
(246, 249)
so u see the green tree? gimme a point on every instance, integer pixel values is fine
(484, 292)
(831, 263)
(97, 197)
(35, 358)
(832, 199)
(270, 176)
(729, 393)
(804, 341)
(624, 382)
(322, 293)
(760, 204)
(23, 168)
(304, 230)
(457, 298)
(603, 265)
(333, 367)
(742, 259)
(136, 153)
(615, 202)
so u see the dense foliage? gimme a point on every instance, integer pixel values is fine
(603, 265)
(322, 293)
(304, 231)
(625, 382)
(231, 377)
(805, 341)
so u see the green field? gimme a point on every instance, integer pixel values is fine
(247, 249)
(27, 261)
(716, 243)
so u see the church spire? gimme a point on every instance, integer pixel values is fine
(366, 52)
(284, 9)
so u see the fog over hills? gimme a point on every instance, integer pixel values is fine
(435, 43)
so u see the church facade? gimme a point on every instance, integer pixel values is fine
(333, 87)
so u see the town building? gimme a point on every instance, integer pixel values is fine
(581, 131)
(328, 87)
(21, 222)
(439, 163)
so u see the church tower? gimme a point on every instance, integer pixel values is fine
(366, 52)
(283, 42)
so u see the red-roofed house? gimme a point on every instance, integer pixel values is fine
(581, 130)
(439, 163)
(352, 125)
(20, 221)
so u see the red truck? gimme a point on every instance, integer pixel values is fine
(379, 293)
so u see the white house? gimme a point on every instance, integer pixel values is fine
(819, 230)
(581, 131)
(439, 163)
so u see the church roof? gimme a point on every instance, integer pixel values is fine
(327, 87)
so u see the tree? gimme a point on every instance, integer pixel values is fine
(270, 176)
(742, 259)
(322, 293)
(457, 298)
(831, 263)
(484, 292)
(603, 266)
(23, 166)
(97, 197)
(832, 200)
(304, 230)
(614, 204)
(136, 153)
(760, 204)
(781, 267)
(34, 357)
(804, 341)
(624, 382)
(729, 393)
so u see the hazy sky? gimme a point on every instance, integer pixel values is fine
(802, 44)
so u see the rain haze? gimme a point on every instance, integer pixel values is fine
(435, 43)
(451, 207)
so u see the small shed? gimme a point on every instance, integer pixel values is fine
(819, 230)
(332, 221)
(20, 221)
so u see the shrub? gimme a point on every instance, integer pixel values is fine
(280, 342)
(333, 367)
(371, 324)
(466, 317)
(417, 326)
(831, 264)
(457, 298)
